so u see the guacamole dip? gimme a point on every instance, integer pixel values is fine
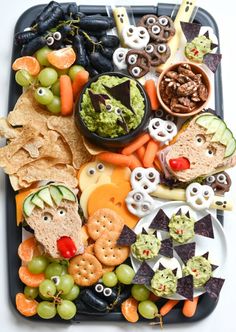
(164, 282)
(200, 268)
(181, 228)
(118, 111)
(197, 48)
(146, 246)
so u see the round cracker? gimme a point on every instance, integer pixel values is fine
(106, 250)
(105, 268)
(85, 269)
(104, 220)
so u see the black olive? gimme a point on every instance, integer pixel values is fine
(33, 46)
(110, 41)
(100, 63)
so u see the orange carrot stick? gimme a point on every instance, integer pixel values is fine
(115, 158)
(190, 307)
(140, 152)
(157, 164)
(168, 306)
(136, 144)
(79, 82)
(151, 91)
(66, 94)
(150, 153)
(135, 162)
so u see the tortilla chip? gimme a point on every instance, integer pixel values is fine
(213, 287)
(185, 287)
(127, 237)
(32, 147)
(91, 148)
(7, 131)
(144, 275)
(186, 251)
(166, 248)
(204, 227)
(160, 221)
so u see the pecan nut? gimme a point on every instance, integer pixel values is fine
(187, 89)
(202, 92)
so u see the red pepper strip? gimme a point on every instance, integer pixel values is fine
(66, 247)
(179, 164)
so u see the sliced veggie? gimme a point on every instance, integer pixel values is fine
(227, 136)
(44, 194)
(213, 126)
(231, 147)
(205, 120)
(28, 206)
(219, 133)
(56, 195)
(37, 201)
(67, 194)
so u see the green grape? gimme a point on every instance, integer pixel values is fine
(65, 284)
(74, 70)
(56, 88)
(109, 279)
(46, 310)
(55, 105)
(41, 56)
(37, 264)
(64, 270)
(47, 76)
(140, 292)
(148, 309)
(53, 269)
(125, 274)
(43, 96)
(66, 309)
(47, 288)
(45, 298)
(61, 71)
(31, 292)
(72, 295)
(23, 78)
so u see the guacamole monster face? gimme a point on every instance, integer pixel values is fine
(164, 282)
(197, 48)
(200, 268)
(181, 228)
(146, 247)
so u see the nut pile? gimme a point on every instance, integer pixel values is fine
(182, 90)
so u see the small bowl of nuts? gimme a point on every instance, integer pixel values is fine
(184, 89)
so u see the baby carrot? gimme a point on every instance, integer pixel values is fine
(158, 165)
(151, 91)
(79, 82)
(135, 162)
(140, 152)
(168, 306)
(190, 307)
(66, 94)
(150, 153)
(115, 158)
(136, 144)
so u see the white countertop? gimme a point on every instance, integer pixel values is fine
(223, 316)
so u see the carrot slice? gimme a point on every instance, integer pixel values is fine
(151, 90)
(150, 153)
(190, 307)
(136, 144)
(79, 82)
(30, 279)
(28, 63)
(63, 58)
(27, 307)
(170, 304)
(129, 309)
(66, 94)
(115, 158)
(28, 249)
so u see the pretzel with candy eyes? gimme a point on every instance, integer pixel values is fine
(135, 37)
(199, 196)
(139, 203)
(138, 63)
(158, 53)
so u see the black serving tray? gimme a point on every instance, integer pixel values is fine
(14, 234)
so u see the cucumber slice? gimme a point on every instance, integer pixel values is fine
(28, 206)
(67, 193)
(205, 120)
(56, 195)
(213, 126)
(45, 195)
(227, 136)
(231, 147)
(37, 201)
(219, 133)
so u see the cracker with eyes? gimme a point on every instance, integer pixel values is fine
(162, 131)
(134, 37)
(139, 203)
(158, 53)
(161, 29)
(138, 63)
(219, 182)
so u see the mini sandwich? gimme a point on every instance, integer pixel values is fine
(203, 146)
(52, 213)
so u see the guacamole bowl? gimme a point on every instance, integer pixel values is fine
(112, 110)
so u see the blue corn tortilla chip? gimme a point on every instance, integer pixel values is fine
(213, 287)
(144, 275)
(190, 30)
(127, 237)
(204, 227)
(166, 248)
(187, 214)
(212, 61)
(97, 99)
(185, 287)
(160, 221)
(175, 271)
(179, 212)
(206, 255)
(186, 251)
(161, 267)
(144, 231)
(214, 267)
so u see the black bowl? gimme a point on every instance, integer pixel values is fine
(118, 142)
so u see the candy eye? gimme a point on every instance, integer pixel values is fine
(149, 48)
(132, 59)
(56, 280)
(142, 33)
(136, 71)
(194, 191)
(130, 31)
(138, 197)
(100, 167)
(156, 124)
(221, 178)
(200, 140)
(163, 21)
(91, 171)
(47, 217)
(151, 176)
(169, 127)
(107, 291)
(138, 176)
(156, 29)
(50, 41)
(57, 35)
(170, 117)
(150, 20)
(145, 207)
(61, 212)
(121, 56)
(108, 108)
(206, 193)
(162, 48)
(210, 179)
(118, 111)
(159, 114)
(99, 288)
(210, 152)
